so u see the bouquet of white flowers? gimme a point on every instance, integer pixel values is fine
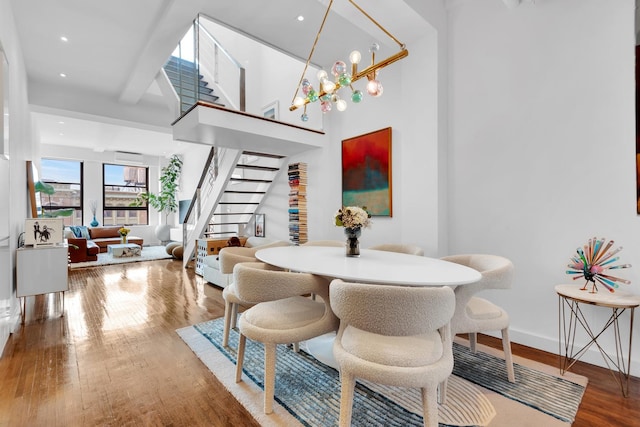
(352, 217)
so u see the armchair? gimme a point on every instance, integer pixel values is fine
(474, 314)
(282, 314)
(393, 335)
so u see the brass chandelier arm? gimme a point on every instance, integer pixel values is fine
(402, 45)
(315, 42)
(369, 70)
(375, 67)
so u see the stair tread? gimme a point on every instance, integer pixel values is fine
(255, 153)
(238, 203)
(267, 181)
(264, 168)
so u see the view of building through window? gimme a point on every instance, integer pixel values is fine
(66, 178)
(122, 185)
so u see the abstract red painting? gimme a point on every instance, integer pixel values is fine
(366, 172)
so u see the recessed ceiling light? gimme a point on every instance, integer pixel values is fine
(300, 18)
(61, 134)
(64, 39)
(63, 75)
(60, 122)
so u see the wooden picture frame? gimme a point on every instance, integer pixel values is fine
(366, 172)
(43, 231)
(259, 225)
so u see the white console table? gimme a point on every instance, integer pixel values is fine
(41, 270)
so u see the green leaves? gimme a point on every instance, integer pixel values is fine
(57, 213)
(43, 187)
(165, 201)
(49, 190)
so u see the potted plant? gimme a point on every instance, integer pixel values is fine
(165, 201)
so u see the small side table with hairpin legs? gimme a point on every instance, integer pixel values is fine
(570, 314)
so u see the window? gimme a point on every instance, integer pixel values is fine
(122, 185)
(66, 178)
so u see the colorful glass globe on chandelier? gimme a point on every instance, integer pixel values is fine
(326, 91)
(342, 77)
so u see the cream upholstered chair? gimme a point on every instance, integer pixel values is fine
(228, 258)
(474, 314)
(334, 243)
(404, 249)
(281, 314)
(393, 335)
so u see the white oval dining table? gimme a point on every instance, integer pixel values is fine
(376, 267)
(373, 266)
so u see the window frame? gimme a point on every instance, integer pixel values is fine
(124, 209)
(76, 209)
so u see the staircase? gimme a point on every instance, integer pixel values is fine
(183, 74)
(245, 191)
(233, 185)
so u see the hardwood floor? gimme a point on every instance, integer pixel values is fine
(114, 359)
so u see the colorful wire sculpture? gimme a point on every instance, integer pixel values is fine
(593, 262)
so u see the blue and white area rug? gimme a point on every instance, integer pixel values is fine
(308, 391)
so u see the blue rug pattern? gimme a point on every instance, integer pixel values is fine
(310, 390)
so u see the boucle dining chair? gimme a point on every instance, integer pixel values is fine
(474, 314)
(404, 249)
(393, 335)
(228, 258)
(282, 314)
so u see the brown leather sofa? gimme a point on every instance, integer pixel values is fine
(81, 249)
(105, 236)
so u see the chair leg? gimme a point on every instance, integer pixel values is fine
(234, 315)
(296, 347)
(348, 383)
(228, 312)
(442, 392)
(240, 358)
(473, 341)
(506, 346)
(430, 406)
(269, 376)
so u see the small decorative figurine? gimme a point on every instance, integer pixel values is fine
(593, 262)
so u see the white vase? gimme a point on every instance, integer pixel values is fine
(163, 232)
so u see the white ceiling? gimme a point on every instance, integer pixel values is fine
(116, 47)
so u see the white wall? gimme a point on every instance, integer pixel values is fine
(542, 149)
(21, 148)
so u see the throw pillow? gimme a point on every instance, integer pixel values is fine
(80, 231)
(68, 234)
(171, 246)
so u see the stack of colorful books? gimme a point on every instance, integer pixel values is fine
(298, 203)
